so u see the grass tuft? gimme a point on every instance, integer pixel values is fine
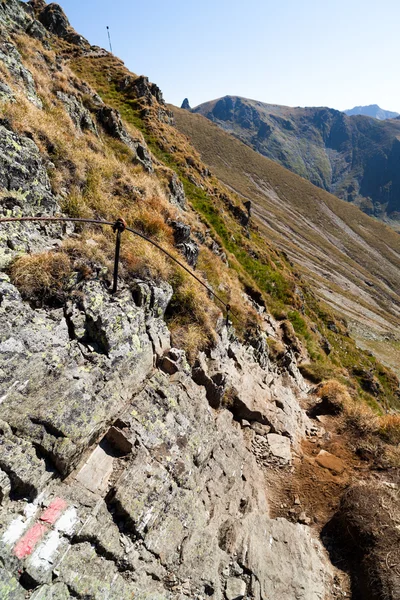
(42, 278)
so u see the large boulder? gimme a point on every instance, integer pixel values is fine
(55, 20)
(65, 373)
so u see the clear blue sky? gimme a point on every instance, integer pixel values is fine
(337, 53)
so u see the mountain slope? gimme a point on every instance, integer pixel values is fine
(352, 259)
(372, 110)
(356, 158)
(154, 443)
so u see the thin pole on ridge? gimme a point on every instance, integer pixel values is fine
(109, 38)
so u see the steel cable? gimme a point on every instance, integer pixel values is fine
(119, 226)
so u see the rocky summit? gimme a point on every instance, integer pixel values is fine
(208, 428)
(372, 110)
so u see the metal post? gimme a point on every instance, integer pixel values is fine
(228, 308)
(118, 227)
(109, 38)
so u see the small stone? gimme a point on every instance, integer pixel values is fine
(304, 519)
(259, 428)
(235, 589)
(245, 423)
(280, 447)
(236, 568)
(297, 500)
(322, 419)
(331, 462)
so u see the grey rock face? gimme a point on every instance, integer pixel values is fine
(252, 392)
(55, 20)
(277, 543)
(24, 191)
(110, 119)
(79, 114)
(11, 58)
(13, 16)
(36, 30)
(6, 94)
(160, 486)
(99, 346)
(185, 244)
(177, 193)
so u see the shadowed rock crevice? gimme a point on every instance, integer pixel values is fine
(49, 427)
(102, 552)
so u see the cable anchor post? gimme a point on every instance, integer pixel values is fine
(118, 227)
(228, 309)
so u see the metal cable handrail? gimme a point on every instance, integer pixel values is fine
(118, 227)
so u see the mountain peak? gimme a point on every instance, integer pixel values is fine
(372, 110)
(186, 105)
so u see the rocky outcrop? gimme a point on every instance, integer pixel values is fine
(185, 244)
(54, 19)
(149, 95)
(12, 60)
(110, 119)
(79, 114)
(164, 498)
(177, 192)
(101, 347)
(234, 378)
(56, 22)
(25, 190)
(186, 105)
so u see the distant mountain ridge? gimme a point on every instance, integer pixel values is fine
(356, 158)
(372, 110)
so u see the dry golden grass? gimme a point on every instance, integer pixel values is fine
(335, 394)
(91, 251)
(140, 259)
(191, 336)
(376, 436)
(42, 277)
(389, 428)
(276, 349)
(360, 418)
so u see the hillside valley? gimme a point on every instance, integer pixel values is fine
(352, 260)
(354, 157)
(198, 423)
